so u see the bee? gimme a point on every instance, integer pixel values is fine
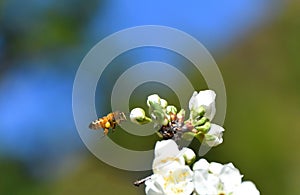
(110, 121)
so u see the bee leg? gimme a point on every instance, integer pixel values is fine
(105, 131)
(113, 125)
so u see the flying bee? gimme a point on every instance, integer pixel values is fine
(110, 121)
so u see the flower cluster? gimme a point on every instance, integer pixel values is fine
(171, 124)
(174, 170)
(172, 175)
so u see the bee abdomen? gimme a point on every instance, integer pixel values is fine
(95, 125)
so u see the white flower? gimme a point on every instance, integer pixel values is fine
(137, 115)
(177, 181)
(171, 175)
(215, 178)
(205, 99)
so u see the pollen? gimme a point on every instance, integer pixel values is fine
(177, 190)
(107, 125)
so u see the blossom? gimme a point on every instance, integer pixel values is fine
(215, 178)
(202, 111)
(177, 181)
(171, 175)
(205, 99)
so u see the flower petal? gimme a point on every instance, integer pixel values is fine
(163, 164)
(166, 147)
(179, 181)
(231, 177)
(205, 183)
(214, 136)
(167, 156)
(206, 99)
(246, 188)
(201, 164)
(153, 187)
(215, 168)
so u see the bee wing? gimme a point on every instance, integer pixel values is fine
(119, 116)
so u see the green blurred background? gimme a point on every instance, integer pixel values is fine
(43, 42)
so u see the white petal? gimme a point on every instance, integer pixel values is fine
(153, 187)
(179, 181)
(231, 177)
(215, 132)
(215, 168)
(163, 164)
(205, 183)
(166, 147)
(201, 164)
(246, 188)
(206, 99)
(183, 173)
(193, 101)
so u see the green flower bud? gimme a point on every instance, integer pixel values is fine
(188, 155)
(203, 128)
(201, 121)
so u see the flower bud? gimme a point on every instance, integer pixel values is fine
(189, 156)
(137, 115)
(163, 103)
(153, 99)
(203, 128)
(171, 109)
(201, 121)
